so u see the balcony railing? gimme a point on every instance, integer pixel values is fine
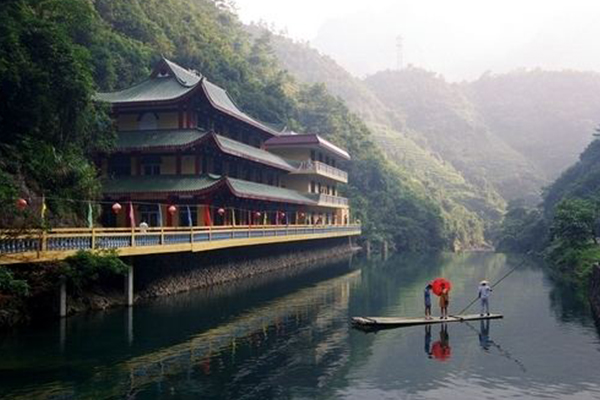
(327, 199)
(33, 245)
(318, 167)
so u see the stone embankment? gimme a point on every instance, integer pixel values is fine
(169, 274)
(163, 275)
(595, 290)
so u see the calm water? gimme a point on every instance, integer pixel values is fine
(276, 338)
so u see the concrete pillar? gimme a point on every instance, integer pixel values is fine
(63, 298)
(129, 323)
(62, 334)
(129, 286)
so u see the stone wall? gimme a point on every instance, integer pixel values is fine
(168, 274)
(595, 290)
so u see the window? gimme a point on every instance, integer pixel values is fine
(119, 165)
(184, 215)
(148, 121)
(313, 155)
(149, 214)
(313, 187)
(321, 157)
(151, 165)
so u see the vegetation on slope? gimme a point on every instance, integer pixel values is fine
(544, 115)
(566, 225)
(467, 210)
(57, 53)
(447, 123)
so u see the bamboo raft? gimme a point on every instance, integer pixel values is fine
(390, 322)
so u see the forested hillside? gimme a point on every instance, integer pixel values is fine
(447, 123)
(56, 53)
(547, 116)
(565, 227)
(467, 208)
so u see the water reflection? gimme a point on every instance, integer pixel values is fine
(290, 338)
(484, 334)
(441, 349)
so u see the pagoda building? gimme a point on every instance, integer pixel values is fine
(186, 155)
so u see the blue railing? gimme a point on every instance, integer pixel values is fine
(65, 239)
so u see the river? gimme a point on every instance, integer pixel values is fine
(288, 337)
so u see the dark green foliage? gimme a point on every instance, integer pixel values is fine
(85, 267)
(574, 222)
(56, 53)
(565, 227)
(11, 286)
(48, 122)
(523, 230)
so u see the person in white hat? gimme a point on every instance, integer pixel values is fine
(484, 296)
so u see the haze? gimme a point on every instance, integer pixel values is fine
(460, 39)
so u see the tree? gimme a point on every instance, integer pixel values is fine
(574, 222)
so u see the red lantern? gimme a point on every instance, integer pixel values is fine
(172, 209)
(116, 208)
(282, 214)
(21, 204)
(221, 211)
(257, 214)
(302, 215)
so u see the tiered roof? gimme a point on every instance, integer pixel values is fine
(196, 185)
(305, 139)
(178, 139)
(170, 82)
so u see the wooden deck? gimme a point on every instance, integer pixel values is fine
(387, 322)
(57, 244)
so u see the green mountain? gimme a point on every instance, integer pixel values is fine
(57, 53)
(460, 199)
(444, 121)
(547, 116)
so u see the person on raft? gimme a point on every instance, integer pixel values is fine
(427, 299)
(484, 297)
(444, 301)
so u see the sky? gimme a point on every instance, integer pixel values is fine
(460, 39)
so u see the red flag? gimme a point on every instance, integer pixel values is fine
(131, 215)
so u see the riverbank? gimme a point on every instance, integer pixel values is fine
(164, 275)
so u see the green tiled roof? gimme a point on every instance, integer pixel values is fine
(154, 89)
(273, 193)
(137, 140)
(221, 100)
(192, 184)
(243, 150)
(159, 184)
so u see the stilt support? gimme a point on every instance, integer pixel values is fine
(129, 286)
(63, 298)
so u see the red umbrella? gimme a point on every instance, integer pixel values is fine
(438, 283)
(441, 351)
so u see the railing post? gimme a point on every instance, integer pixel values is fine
(93, 238)
(162, 235)
(132, 237)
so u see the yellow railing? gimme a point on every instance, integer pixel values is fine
(39, 245)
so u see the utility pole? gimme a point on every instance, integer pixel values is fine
(399, 52)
